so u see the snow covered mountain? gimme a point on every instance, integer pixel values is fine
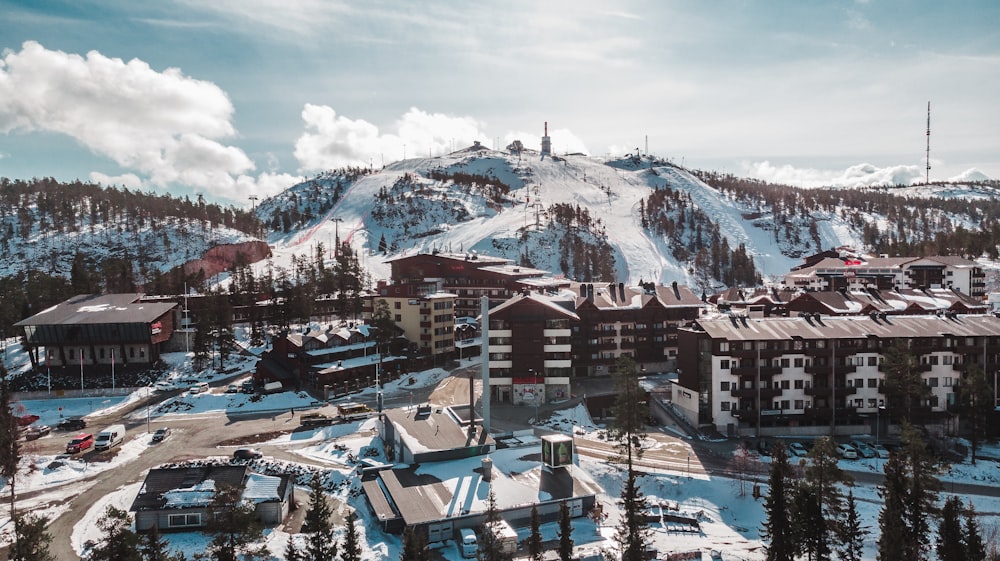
(633, 218)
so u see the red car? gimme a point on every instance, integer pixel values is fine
(25, 420)
(80, 443)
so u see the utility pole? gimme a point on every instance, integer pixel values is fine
(927, 177)
(336, 234)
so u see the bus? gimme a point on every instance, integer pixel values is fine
(353, 411)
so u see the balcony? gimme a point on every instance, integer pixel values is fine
(766, 372)
(817, 352)
(824, 370)
(826, 390)
(764, 353)
(751, 393)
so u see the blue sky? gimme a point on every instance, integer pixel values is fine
(233, 98)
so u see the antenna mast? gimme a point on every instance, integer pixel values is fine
(927, 177)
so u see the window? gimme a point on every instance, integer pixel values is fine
(946, 359)
(858, 403)
(949, 382)
(724, 405)
(873, 361)
(183, 520)
(724, 346)
(724, 386)
(724, 365)
(798, 363)
(398, 305)
(785, 404)
(872, 382)
(932, 382)
(798, 404)
(872, 403)
(397, 317)
(933, 360)
(798, 384)
(784, 386)
(785, 363)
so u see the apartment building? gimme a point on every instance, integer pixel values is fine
(821, 375)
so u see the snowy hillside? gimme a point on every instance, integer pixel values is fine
(504, 204)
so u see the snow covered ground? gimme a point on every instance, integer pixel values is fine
(728, 516)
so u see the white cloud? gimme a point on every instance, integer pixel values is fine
(161, 124)
(333, 140)
(971, 174)
(860, 175)
(129, 180)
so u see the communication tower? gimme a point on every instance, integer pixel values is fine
(546, 141)
(927, 176)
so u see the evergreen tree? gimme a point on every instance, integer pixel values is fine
(31, 540)
(975, 548)
(236, 531)
(974, 396)
(153, 547)
(414, 547)
(854, 534)
(809, 528)
(320, 545)
(950, 546)
(632, 534)
(904, 384)
(10, 448)
(823, 478)
(894, 543)
(565, 533)
(119, 543)
(292, 551)
(490, 548)
(921, 495)
(777, 531)
(535, 549)
(350, 550)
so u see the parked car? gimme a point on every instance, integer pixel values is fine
(247, 386)
(847, 452)
(881, 451)
(797, 449)
(863, 448)
(468, 546)
(164, 386)
(247, 454)
(25, 420)
(764, 447)
(72, 423)
(161, 434)
(82, 442)
(232, 388)
(35, 432)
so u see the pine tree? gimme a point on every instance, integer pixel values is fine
(921, 497)
(975, 549)
(350, 550)
(854, 534)
(633, 531)
(490, 548)
(949, 545)
(153, 547)
(893, 544)
(777, 531)
(565, 533)
(119, 543)
(823, 478)
(535, 549)
(414, 547)
(31, 540)
(292, 551)
(10, 448)
(236, 531)
(320, 545)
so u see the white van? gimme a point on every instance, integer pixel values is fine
(199, 387)
(110, 437)
(467, 543)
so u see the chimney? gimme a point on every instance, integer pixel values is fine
(621, 291)
(611, 289)
(583, 291)
(487, 469)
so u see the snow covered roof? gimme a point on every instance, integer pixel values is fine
(556, 303)
(850, 327)
(186, 487)
(100, 309)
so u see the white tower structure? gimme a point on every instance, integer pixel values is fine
(546, 142)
